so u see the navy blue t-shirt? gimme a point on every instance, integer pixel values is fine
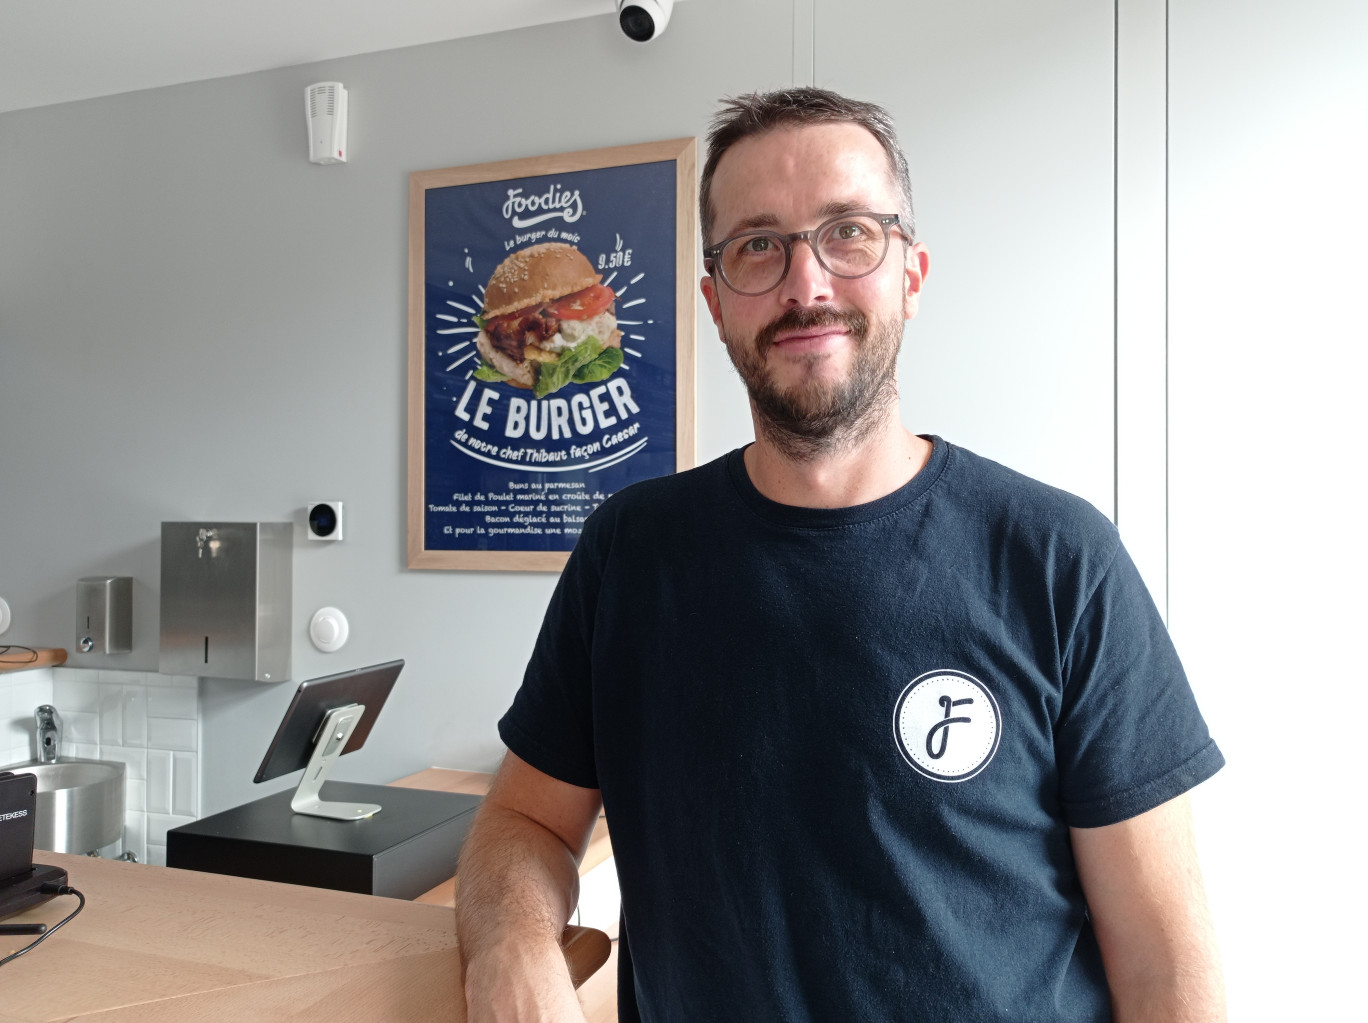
(840, 749)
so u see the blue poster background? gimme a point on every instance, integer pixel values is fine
(506, 471)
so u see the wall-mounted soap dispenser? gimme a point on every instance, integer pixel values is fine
(225, 599)
(104, 614)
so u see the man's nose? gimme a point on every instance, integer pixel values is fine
(807, 282)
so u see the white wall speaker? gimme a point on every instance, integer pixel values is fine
(325, 107)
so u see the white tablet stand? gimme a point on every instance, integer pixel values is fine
(328, 743)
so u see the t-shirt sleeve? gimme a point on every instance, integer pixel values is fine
(1129, 736)
(550, 724)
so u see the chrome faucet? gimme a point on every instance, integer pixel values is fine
(49, 733)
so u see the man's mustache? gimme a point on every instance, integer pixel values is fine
(807, 317)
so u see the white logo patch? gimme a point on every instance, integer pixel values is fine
(947, 725)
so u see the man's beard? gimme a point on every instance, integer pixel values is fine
(814, 417)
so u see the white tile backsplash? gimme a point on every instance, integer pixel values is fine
(172, 733)
(145, 720)
(79, 726)
(134, 699)
(158, 824)
(69, 695)
(27, 690)
(14, 730)
(158, 781)
(111, 715)
(172, 703)
(135, 759)
(185, 784)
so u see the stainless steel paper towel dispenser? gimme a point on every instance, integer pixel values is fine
(225, 599)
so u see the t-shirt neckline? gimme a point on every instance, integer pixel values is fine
(828, 518)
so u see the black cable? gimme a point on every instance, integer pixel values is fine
(8, 647)
(55, 889)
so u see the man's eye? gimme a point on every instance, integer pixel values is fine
(758, 244)
(849, 230)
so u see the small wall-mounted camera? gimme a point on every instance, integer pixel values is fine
(643, 20)
(325, 520)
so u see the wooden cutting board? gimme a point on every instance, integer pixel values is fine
(18, 658)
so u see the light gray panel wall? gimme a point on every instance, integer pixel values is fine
(1268, 359)
(197, 323)
(1005, 110)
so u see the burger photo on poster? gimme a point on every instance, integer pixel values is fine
(547, 321)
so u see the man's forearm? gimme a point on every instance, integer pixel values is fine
(1189, 991)
(1150, 915)
(517, 884)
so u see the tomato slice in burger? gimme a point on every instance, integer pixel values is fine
(580, 305)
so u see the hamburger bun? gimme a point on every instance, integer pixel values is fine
(537, 274)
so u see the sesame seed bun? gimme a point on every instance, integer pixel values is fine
(537, 274)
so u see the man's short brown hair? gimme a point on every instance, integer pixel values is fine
(745, 116)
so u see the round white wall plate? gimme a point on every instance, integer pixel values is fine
(328, 629)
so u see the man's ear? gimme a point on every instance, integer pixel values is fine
(917, 264)
(709, 288)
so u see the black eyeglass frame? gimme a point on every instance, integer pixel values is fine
(713, 265)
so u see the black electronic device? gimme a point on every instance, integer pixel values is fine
(23, 883)
(643, 20)
(325, 520)
(18, 801)
(328, 717)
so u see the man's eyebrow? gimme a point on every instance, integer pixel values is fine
(840, 207)
(755, 221)
(768, 221)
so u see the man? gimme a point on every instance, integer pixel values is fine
(883, 730)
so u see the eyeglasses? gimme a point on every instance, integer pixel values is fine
(849, 246)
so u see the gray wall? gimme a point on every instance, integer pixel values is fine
(197, 323)
(1269, 361)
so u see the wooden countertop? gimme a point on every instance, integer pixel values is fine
(161, 945)
(156, 943)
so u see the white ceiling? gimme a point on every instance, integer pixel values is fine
(55, 51)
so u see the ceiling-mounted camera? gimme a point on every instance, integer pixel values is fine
(643, 20)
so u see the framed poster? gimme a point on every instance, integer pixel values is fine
(551, 347)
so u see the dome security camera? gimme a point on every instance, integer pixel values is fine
(643, 20)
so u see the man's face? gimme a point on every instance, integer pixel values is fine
(817, 352)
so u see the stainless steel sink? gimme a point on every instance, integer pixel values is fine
(80, 803)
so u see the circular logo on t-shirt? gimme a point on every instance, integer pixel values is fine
(947, 725)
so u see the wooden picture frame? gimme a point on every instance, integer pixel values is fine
(503, 469)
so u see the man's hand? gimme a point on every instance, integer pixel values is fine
(1149, 912)
(521, 985)
(517, 884)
